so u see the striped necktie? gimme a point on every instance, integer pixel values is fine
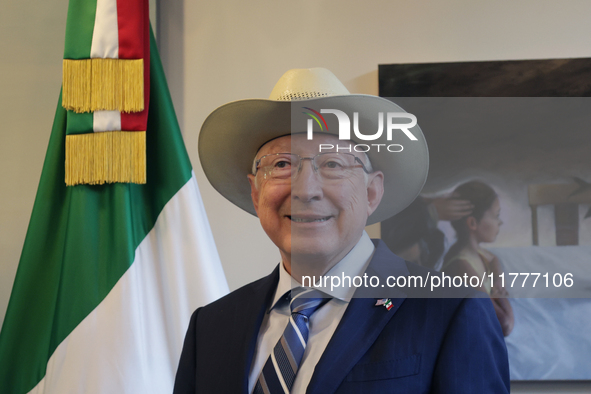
(279, 371)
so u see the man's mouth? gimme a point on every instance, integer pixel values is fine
(308, 220)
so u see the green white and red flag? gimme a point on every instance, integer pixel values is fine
(106, 86)
(109, 274)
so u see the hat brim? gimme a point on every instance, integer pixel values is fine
(232, 134)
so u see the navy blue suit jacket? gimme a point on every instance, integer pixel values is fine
(422, 345)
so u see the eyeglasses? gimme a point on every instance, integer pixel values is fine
(330, 165)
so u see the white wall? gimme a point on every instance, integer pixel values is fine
(218, 51)
(31, 53)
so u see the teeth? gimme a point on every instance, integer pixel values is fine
(301, 220)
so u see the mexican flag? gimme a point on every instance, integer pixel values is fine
(106, 89)
(109, 274)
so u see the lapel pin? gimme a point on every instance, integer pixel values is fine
(386, 302)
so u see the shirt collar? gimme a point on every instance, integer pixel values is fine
(353, 264)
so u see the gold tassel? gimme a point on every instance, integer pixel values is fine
(103, 84)
(76, 85)
(106, 157)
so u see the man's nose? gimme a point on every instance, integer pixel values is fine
(306, 184)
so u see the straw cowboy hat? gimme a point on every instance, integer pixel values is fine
(232, 134)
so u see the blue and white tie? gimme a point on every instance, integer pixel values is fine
(281, 367)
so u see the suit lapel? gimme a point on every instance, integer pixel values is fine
(251, 318)
(361, 324)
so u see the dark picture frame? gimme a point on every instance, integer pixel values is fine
(524, 127)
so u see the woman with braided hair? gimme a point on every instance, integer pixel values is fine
(467, 257)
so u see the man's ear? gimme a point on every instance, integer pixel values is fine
(471, 222)
(254, 192)
(375, 191)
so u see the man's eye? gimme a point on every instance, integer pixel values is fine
(332, 164)
(282, 164)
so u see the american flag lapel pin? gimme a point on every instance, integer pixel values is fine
(386, 302)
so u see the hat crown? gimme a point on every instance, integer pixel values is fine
(306, 84)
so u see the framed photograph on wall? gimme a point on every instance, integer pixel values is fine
(523, 128)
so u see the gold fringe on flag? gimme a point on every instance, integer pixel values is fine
(103, 84)
(106, 157)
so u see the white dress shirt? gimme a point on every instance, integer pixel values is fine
(323, 322)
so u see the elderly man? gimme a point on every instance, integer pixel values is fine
(314, 190)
